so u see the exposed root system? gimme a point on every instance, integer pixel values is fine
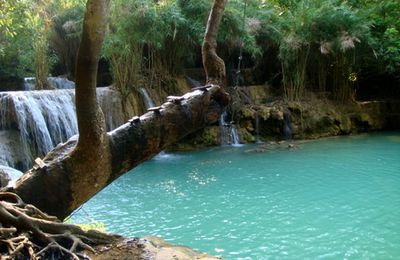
(27, 232)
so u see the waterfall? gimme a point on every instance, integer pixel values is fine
(194, 83)
(61, 83)
(258, 141)
(34, 122)
(228, 132)
(55, 82)
(43, 119)
(287, 126)
(29, 83)
(110, 103)
(234, 135)
(147, 99)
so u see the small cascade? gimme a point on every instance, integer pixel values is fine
(34, 122)
(287, 126)
(258, 141)
(194, 83)
(147, 99)
(29, 83)
(55, 82)
(61, 83)
(228, 132)
(110, 103)
(234, 135)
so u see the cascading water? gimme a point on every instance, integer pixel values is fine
(258, 141)
(110, 103)
(228, 132)
(194, 83)
(29, 83)
(34, 122)
(287, 126)
(55, 82)
(61, 83)
(43, 119)
(147, 99)
(234, 135)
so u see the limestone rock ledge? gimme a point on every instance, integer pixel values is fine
(147, 248)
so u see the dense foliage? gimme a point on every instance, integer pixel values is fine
(325, 46)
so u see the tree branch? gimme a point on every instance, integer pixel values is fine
(214, 66)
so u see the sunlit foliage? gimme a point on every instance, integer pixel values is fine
(303, 45)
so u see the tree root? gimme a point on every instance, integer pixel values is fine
(27, 232)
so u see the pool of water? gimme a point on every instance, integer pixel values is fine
(337, 198)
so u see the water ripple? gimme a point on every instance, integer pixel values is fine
(332, 199)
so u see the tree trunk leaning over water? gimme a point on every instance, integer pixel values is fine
(75, 171)
(213, 65)
(53, 188)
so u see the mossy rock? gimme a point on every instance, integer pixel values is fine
(209, 136)
(345, 124)
(365, 118)
(247, 112)
(246, 136)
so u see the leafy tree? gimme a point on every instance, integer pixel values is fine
(316, 42)
(383, 46)
(15, 47)
(64, 35)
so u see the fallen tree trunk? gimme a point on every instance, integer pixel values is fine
(60, 186)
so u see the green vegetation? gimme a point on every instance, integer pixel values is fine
(309, 45)
(89, 225)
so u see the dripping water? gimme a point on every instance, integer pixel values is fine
(146, 98)
(258, 141)
(287, 126)
(228, 131)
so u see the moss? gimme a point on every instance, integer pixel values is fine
(365, 118)
(264, 112)
(345, 124)
(246, 136)
(209, 137)
(247, 112)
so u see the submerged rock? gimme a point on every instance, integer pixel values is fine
(158, 249)
(8, 174)
(151, 248)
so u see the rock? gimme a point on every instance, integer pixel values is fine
(157, 248)
(8, 174)
(247, 112)
(151, 248)
(264, 112)
(277, 114)
(209, 136)
(4, 179)
(11, 152)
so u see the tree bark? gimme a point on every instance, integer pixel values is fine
(89, 164)
(213, 65)
(91, 124)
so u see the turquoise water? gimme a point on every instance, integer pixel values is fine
(337, 198)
